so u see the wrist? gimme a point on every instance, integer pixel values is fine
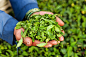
(30, 12)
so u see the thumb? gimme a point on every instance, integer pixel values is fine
(17, 33)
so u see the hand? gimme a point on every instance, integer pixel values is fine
(28, 40)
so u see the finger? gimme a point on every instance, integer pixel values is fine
(43, 12)
(61, 38)
(28, 41)
(37, 42)
(48, 45)
(60, 22)
(58, 42)
(18, 33)
(14, 31)
(54, 42)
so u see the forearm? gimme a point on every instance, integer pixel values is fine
(20, 7)
(7, 24)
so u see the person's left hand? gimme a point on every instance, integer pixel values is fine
(60, 22)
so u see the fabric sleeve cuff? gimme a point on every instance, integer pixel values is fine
(24, 10)
(8, 30)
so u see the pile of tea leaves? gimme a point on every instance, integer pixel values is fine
(41, 27)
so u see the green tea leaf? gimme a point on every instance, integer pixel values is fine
(33, 39)
(47, 40)
(57, 29)
(7, 54)
(25, 53)
(51, 36)
(21, 32)
(75, 55)
(41, 44)
(63, 51)
(20, 42)
(49, 27)
(59, 35)
(42, 34)
(19, 23)
(17, 27)
(11, 53)
(25, 32)
(37, 17)
(73, 43)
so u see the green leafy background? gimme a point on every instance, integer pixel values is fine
(73, 13)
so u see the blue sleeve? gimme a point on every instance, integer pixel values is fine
(7, 24)
(20, 7)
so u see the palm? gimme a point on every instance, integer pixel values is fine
(28, 41)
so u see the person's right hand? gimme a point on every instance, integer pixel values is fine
(28, 40)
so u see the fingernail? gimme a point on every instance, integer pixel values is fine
(28, 43)
(58, 42)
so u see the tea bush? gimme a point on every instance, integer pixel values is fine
(73, 13)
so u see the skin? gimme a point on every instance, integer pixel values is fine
(17, 33)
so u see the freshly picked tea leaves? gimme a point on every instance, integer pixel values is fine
(41, 27)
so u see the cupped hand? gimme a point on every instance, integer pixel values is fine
(28, 41)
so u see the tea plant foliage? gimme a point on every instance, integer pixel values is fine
(73, 13)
